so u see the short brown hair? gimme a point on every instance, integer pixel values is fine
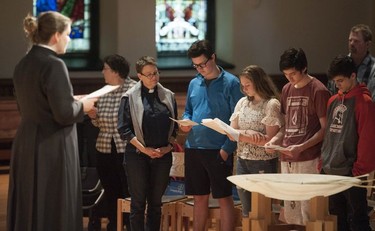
(144, 61)
(364, 30)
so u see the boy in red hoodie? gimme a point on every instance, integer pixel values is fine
(348, 143)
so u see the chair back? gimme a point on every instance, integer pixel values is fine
(178, 165)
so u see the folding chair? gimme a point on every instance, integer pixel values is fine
(92, 191)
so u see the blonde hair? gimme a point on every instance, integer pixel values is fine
(40, 30)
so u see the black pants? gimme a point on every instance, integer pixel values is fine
(112, 176)
(350, 207)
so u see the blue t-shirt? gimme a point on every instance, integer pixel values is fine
(217, 100)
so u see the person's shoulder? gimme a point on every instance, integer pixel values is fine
(52, 59)
(273, 102)
(45, 55)
(361, 92)
(229, 79)
(242, 100)
(229, 75)
(197, 80)
(132, 89)
(129, 82)
(286, 87)
(317, 85)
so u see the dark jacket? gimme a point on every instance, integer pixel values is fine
(45, 183)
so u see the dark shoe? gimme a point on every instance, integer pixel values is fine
(95, 224)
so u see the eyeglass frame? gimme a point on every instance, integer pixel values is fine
(201, 65)
(149, 76)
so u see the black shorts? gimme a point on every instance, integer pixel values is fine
(206, 171)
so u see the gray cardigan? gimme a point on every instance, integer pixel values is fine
(166, 96)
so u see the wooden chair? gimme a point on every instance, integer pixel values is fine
(260, 218)
(168, 210)
(185, 215)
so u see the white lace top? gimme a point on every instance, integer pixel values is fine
(255, 117)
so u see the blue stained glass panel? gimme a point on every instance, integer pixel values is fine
(79, 12)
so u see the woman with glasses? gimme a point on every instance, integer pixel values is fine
(145, 124)
(110, 148)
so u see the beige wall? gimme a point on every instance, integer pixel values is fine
(247, 31)
(12, 42)
(262, 32)
(136, 29)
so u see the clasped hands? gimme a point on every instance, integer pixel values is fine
(157, 152)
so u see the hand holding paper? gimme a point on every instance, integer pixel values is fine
(184, 122)
(221, 127)
(276, 147)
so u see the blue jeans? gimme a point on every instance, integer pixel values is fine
(252, 167)
(147, 179)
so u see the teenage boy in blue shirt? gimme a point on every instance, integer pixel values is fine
(213, 93)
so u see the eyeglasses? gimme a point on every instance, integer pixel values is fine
(202, 65)
(149, 76)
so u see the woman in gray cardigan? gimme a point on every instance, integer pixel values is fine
(144, 123)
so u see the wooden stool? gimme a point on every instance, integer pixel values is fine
(168, 212)
(123, 206)
(260, 216)
(185, 210)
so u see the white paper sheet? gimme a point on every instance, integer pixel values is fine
(102, 91)
(185, 122)
(221, 127)
(276, 147)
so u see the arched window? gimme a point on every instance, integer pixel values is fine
(178, 24)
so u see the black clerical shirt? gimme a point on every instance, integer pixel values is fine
(155, 122)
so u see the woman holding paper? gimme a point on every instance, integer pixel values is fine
(257, 117)
(144, 122)
(44, 180)
(110, 148)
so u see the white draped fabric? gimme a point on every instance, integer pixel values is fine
(294, 187)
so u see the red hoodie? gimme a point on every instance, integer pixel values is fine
(348, 146)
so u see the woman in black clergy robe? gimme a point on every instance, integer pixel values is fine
(45, 184)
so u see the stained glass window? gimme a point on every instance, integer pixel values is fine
(178, 24)
(79, 12)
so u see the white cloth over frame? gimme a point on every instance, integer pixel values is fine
(296, 187)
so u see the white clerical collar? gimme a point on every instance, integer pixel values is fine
(45, 46)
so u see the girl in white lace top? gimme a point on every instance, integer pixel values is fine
(257, 117)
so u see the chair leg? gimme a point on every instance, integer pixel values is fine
(164, 222)
(120, 221)
(168, 216)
